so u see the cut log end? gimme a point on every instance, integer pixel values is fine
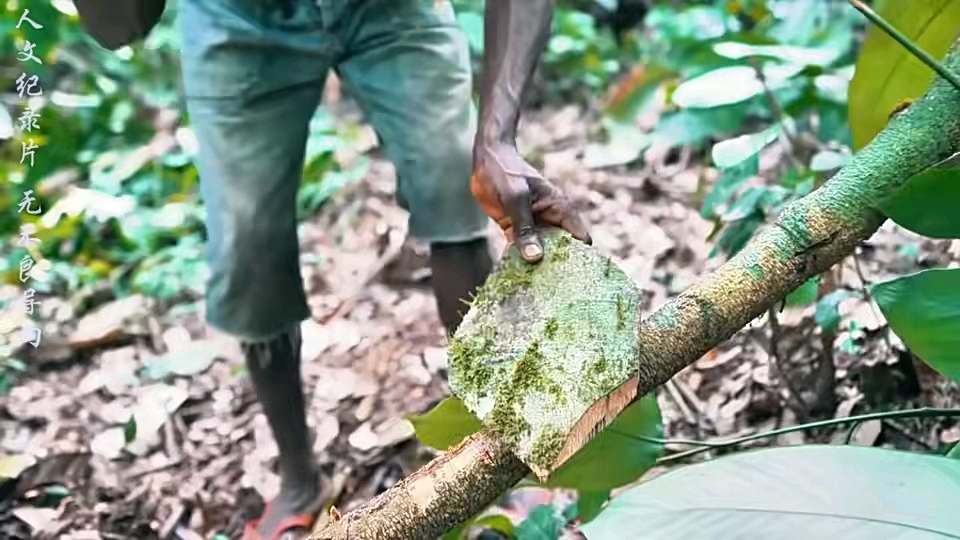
(545, 350)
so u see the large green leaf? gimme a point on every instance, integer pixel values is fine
(728, 184)
(589, 504)
(626, 442)
(792, 493)
(693, 126)
(445, 425)
(543, 523)
(729, 85)
(924, 311)
(927, 203)
(954, 452)
(887, 74)
(732, 152)
(813, 56)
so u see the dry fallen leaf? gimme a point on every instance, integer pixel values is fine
(435, 359)
(40, 520)
(334, 384)
(155, 403)
(187, 359)
(110, 322)
(12, 465)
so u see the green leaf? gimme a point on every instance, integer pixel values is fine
(589, 504)
(496, 522)
(792, 493)
(923, 309)
(732, 152)
(543, 523)
(445, 425)
(472, 26)
(630, 97)
(729, 182)
(693, 126)
(812, 56)
(954, 452)
(621, 443)
(827, 313)
(927, 203)
(499, 523)
(130, 430)
(456, 533)
(736, 235)
(729, 85)
(887, 74)
(827, 160)
(805, 294)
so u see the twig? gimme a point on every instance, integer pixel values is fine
(775, 359)
(668, 442)
(922, 55)
(851, 432)
(925, 412)
(778, 113)
(681, 403)
(906, 433)
(825, 383)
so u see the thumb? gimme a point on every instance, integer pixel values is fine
(524, 230)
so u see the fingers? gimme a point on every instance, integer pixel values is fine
(516, 201)
(554, 208)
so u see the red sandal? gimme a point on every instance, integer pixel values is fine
(298, 521)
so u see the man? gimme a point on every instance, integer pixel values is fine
(253, 73)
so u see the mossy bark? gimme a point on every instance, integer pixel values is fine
(811, 235)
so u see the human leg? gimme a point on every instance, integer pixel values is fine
(250, 98)
(408, 65)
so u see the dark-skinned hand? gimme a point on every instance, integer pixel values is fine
(520, 200)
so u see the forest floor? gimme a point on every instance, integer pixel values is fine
(202, 460)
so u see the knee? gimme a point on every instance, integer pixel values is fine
(438, 169)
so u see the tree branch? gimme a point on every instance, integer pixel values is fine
(810, 236)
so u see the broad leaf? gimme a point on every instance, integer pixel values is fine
(693, 126)
(729, 85)
(728, 184)
(792, 493)
(923, 309)
(827, 160)
(543, 523)
(629, 97)
(814, 56)
(625, 442)
(589, 504)
(954, 452)
(445, 425)
(732, 152)
(927, 203)
(805, 294)
(887, 74)
(827, 313)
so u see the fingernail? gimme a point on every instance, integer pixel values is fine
(531, 251)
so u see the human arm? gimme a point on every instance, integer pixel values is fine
(117, 23)
(508, 188)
